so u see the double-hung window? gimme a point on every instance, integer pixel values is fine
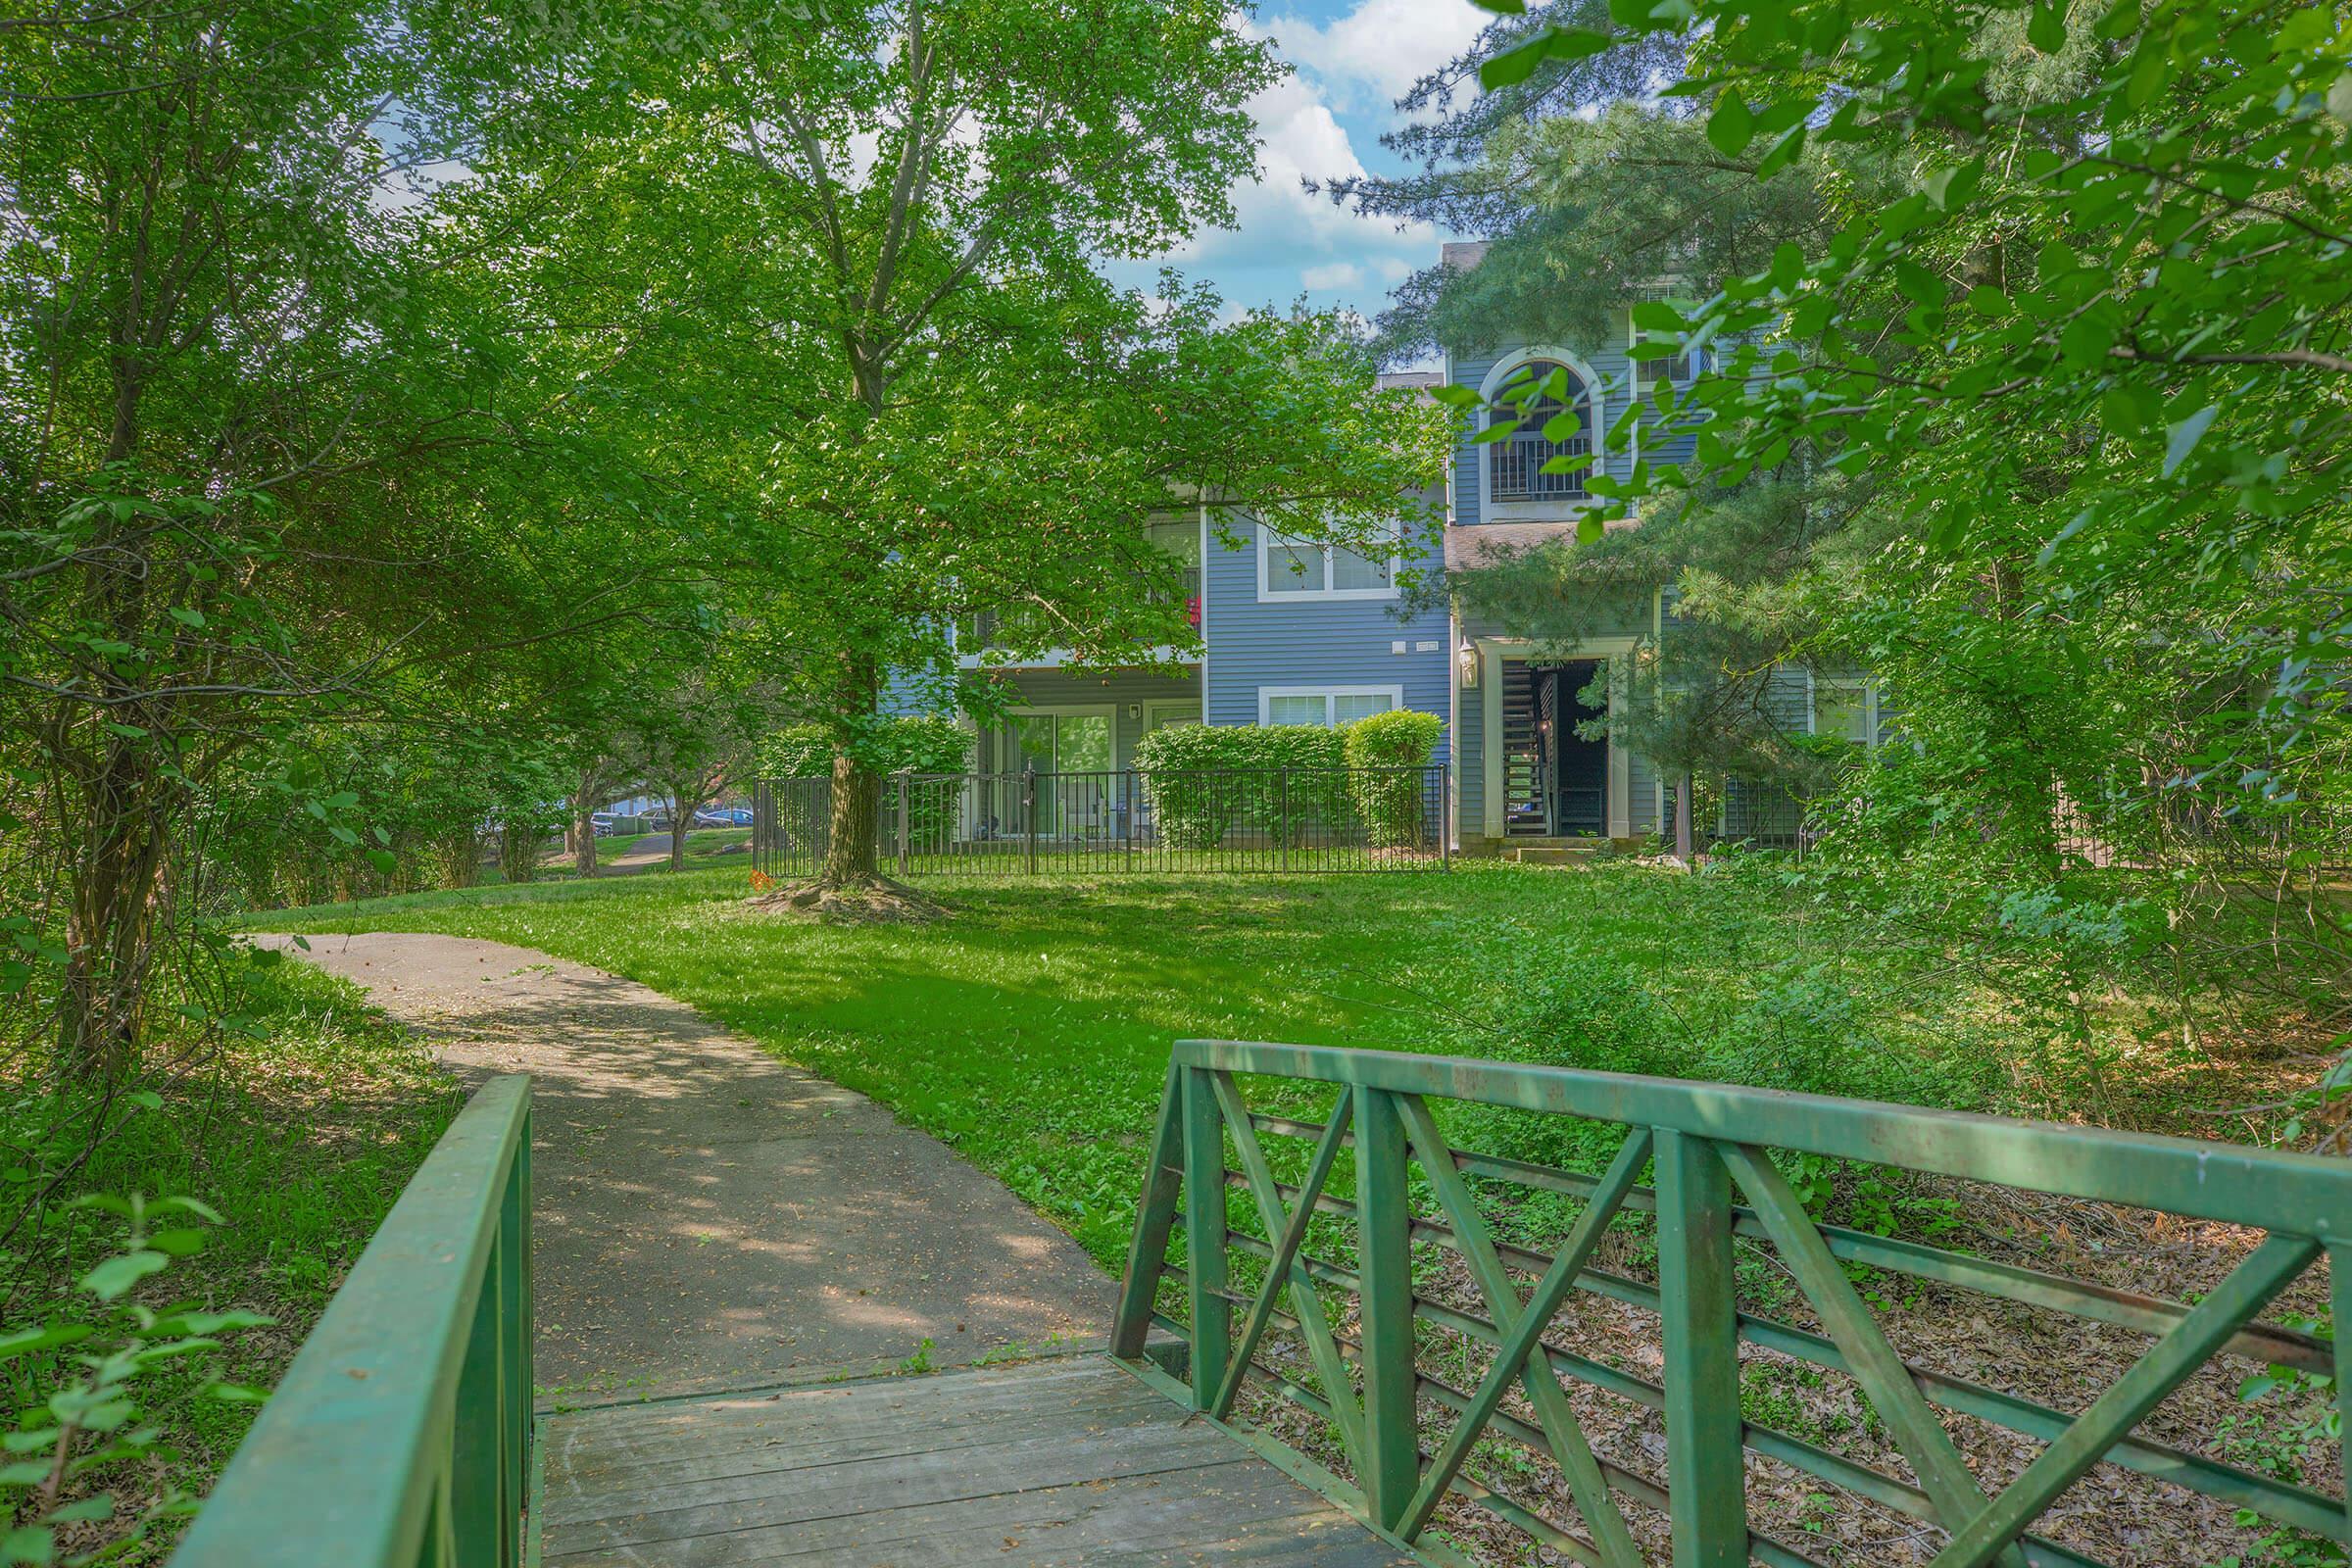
(1846, 708)
(1290, 569)
(1324, 705)
(1681, 368)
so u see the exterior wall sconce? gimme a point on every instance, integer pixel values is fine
(1465, 659)
(1135, 710)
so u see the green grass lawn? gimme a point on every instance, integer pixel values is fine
(1031, 1029)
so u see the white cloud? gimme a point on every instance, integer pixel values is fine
(1333, 275)
(1278, 217)
(1378, 50)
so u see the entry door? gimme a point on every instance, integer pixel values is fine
(1580, 778)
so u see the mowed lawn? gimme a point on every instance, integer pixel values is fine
(1031, 1030)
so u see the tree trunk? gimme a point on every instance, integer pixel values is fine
(519, 851)
(583, 831)
(853, 835)
(110, 925)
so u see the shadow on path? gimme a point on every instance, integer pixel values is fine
(707, 1217)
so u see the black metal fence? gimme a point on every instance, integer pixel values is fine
(1118, 821)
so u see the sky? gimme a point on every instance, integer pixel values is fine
(1351, 60)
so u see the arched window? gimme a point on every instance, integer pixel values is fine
(1515, 464)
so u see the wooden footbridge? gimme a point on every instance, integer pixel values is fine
(1338, 1345)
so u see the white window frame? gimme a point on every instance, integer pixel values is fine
(1394, 693)
(1870, 703)
(1597, 394)
(1634, 338)
(1269, 540)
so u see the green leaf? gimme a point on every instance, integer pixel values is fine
(1590, 527)
(25, 1341)
(1731, 127)
(187, 617)
(1514, 64)
(1577, 43)
(89, 1510)
(2045, 31)
(110, 1279)
(179, 1242)
(1506, 8)
(1656, 315)
(1783, 153)
(29, 1544)
(2183, 437)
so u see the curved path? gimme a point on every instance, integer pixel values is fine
(709, 1218)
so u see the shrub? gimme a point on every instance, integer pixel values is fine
(1192, 806)
(1286, 778)
(1391, 749)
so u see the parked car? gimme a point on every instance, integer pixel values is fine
(713, 817)
(601, 823)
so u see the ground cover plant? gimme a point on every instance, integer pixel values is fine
(260, 1164)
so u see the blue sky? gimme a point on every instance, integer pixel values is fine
(1351, 60)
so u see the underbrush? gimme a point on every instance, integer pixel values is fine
(296, 1122)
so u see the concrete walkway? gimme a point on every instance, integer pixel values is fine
(707, 1219)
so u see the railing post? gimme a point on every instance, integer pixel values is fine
(1029, 816)
(1205, 1276)
(1127, 811)
(1444, 816)
(1282, 814)
(1392, 1461)
(1706, 1471)
(903, 847)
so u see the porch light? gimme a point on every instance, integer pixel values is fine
(1465, 658)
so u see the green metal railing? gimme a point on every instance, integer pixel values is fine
(400, 1437)
(1405, 1429)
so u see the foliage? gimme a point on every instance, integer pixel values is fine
(92, 1370)
(920, 743)
(2027, 398)
(1202, 780)
(1390, 802)
(278, 462)
(883, 339)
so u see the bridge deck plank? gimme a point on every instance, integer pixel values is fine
(1053, 1463)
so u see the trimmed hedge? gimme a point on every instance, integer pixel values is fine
(1203, 780)
(1390, 804)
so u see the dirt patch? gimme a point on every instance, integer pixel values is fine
(879, 903)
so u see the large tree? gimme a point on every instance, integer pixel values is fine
(861, 295)
(260, 451)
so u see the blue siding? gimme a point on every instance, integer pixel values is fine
(1348, 642)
